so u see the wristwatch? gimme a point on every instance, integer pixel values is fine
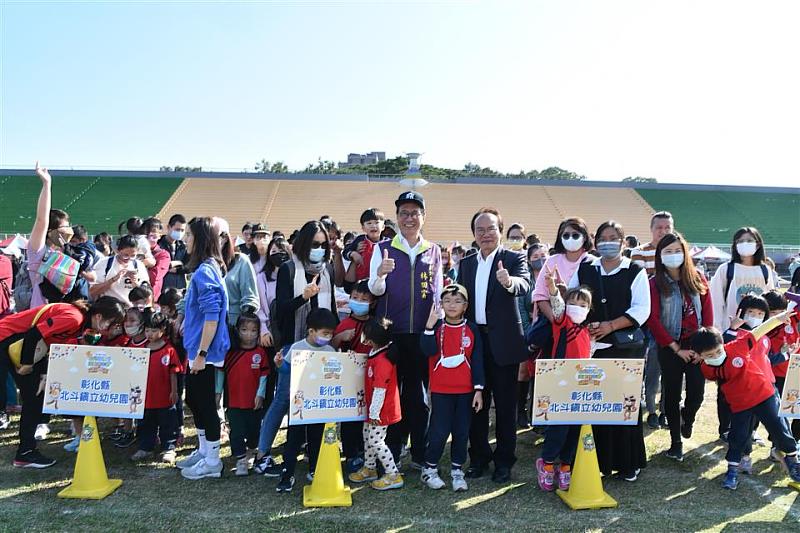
(202, 353)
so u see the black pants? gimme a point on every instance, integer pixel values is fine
(162, 421)
(560, 442)
(501, 384)
(723, 412)
(352, 439)
(179, 403)
(451, 414)
(245, 428)
(296, 436)
(28, 387)
(673, 371)
(412, 379)
(201, 399)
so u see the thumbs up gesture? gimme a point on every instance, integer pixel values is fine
(502, 275)
(387, 265)
(312, 289)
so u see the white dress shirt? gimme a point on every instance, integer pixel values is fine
(482, 274)
(640, 289)
(377, 284)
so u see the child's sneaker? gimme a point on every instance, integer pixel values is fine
(731, 480)
(564, 477)
(790, 461)
(169, 457)
(251, 458)
(286, 483)
(202, 469)
(388, 482)
(42, 431)
(746, 465)
(430, 476)
(73, 445)
(459, 483)
(194, 458)
(241, 467)
(545, 475)
(363, 474)
(675, 452)
(775, 456)
(141, 455)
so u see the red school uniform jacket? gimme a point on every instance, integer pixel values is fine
(58, 323)
(576, 343)
(356, 345)
(163, 363)
(778, 337)
(759, 353)
(741, 377)
(382, 374)
(243, 370)
(449, 340)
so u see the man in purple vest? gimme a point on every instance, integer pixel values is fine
(406, 276)
(494, 278)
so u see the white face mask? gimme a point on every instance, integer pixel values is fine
(131, 331)
(753, 321)
(716, 361)
(572, 245)
(577, 314)
(746, 249)
(672, 260)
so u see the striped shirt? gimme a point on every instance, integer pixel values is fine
(645, 257)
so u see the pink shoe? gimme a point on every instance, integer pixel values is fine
(563, 479)
(546, 478)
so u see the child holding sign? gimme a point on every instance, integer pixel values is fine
(160, 415)
(571, 340)
(246, 370)
(456, 384)
(383, 407)
(749, 391)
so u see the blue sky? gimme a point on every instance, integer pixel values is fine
(680, 91)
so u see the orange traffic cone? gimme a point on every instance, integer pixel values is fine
(586, 488)
(90, 480)
(328, 488)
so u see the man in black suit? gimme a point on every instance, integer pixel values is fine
(494, 277)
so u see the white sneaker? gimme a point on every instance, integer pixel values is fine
(202, 469)
(42, 431)
(430, 476)
(190, 461)
(251, 458)
(459, 483)
(73, 445)
(241, 467)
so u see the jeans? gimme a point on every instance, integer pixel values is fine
(560, 442)
(279, 408)
(451, 414)
(161, 421)
(741, 429)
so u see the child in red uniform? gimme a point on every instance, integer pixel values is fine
(383, 404)
(750, 393)
(162, 391)
(134, 331)
(168, 302)
(246, 369)
(347, 336)
(571, 340)
(455, 367)
(784, 342)
(359, 251)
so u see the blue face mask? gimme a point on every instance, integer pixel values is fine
(609, 250)
(316, 255)
(716, 361)
(358, 308)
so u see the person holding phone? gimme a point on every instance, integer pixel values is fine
(119, 274)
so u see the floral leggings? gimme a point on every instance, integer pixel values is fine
(375, 448)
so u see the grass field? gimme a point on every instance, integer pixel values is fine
(669, 496)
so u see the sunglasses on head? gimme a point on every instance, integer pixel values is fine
(570, 235)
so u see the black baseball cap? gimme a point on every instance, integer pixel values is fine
(410, 196)
(258, 228)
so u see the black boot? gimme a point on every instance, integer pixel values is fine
(523, 420)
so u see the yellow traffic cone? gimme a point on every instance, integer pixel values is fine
(794, 485)
(90, 480)
(328, 488)
(586, 488)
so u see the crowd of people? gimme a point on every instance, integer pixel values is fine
(451, 333)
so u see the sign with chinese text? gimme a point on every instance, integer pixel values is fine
(790, 399)
(327, 387)
(587, 391)
(96, 381)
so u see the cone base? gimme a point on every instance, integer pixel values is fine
(576, 503)
(794, 485)
(97, 493)
(343, 499)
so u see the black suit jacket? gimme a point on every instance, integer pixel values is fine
(506, 336)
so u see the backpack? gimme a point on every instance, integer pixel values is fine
(274, 322)
(729, 277)
(23, 288)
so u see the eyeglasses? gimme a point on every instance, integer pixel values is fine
(484, 231)
(567, 235)
(317, 244)
(409, 214)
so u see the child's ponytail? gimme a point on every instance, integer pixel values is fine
(378, 331)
